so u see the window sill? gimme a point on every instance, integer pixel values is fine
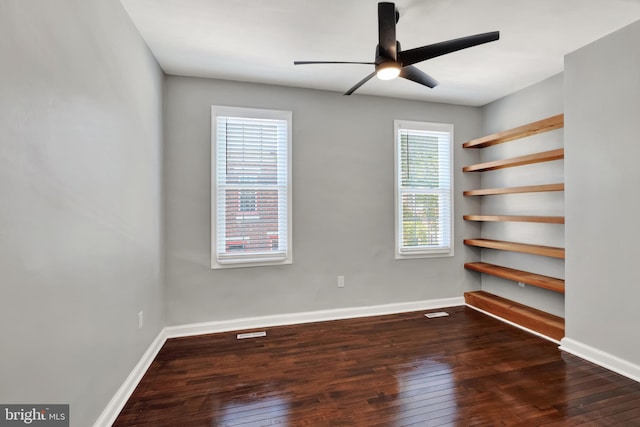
(418, 255)
(240, 263)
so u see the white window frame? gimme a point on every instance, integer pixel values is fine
(402, 252)
(218, 262)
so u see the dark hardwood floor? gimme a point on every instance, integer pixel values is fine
(467, 369)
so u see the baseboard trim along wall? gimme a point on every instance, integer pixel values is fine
(118, 401)
(514, 324)
(307, 317)
(111, 412)
(599, 357)
(583, 351)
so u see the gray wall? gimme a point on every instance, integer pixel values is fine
(533, 103)
(80, 202)
(602, 107)
(342, 205)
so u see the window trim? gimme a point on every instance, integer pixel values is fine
(421, 252)
(253, 113)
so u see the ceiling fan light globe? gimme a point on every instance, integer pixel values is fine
(388, 71)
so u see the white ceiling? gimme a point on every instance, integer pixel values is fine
(258, 40)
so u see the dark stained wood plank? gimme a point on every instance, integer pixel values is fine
(466, 369)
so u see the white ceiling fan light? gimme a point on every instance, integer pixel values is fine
(388, 70)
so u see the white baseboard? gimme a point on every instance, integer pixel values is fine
(531, 331)
(307, 317)
(118, 401)
(602, 358)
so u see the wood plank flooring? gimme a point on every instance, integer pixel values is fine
(467, 369)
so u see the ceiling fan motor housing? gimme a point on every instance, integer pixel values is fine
(391, 61)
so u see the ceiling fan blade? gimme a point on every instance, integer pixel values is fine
(360, 83)
(387, 30)
(419, 54)
(330, 62)
(415, 75)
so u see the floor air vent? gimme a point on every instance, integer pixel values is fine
(437, 314)
(251, 335)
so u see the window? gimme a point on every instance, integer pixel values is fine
(251, 187)
(423, 183)
(248, 201)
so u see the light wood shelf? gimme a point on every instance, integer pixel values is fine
(533, 279)
(516, 218)
(544, 323)
(544, 125)
(514, 190)
(545, 156)
(549, 251)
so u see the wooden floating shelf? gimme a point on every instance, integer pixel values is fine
(544, 323)
(515, 190)
(545, 125)
(516, 218)
(545, 156)
(538, 280)
(517, 247)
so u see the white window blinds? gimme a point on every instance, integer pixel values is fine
(251, 152)
(423, 189)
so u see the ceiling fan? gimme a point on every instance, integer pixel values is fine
(391, 61)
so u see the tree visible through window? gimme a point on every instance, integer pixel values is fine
(251, 177)
(420, 220)
(423, 189)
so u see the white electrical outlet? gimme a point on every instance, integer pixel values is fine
(140, 319)
(341, 281)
